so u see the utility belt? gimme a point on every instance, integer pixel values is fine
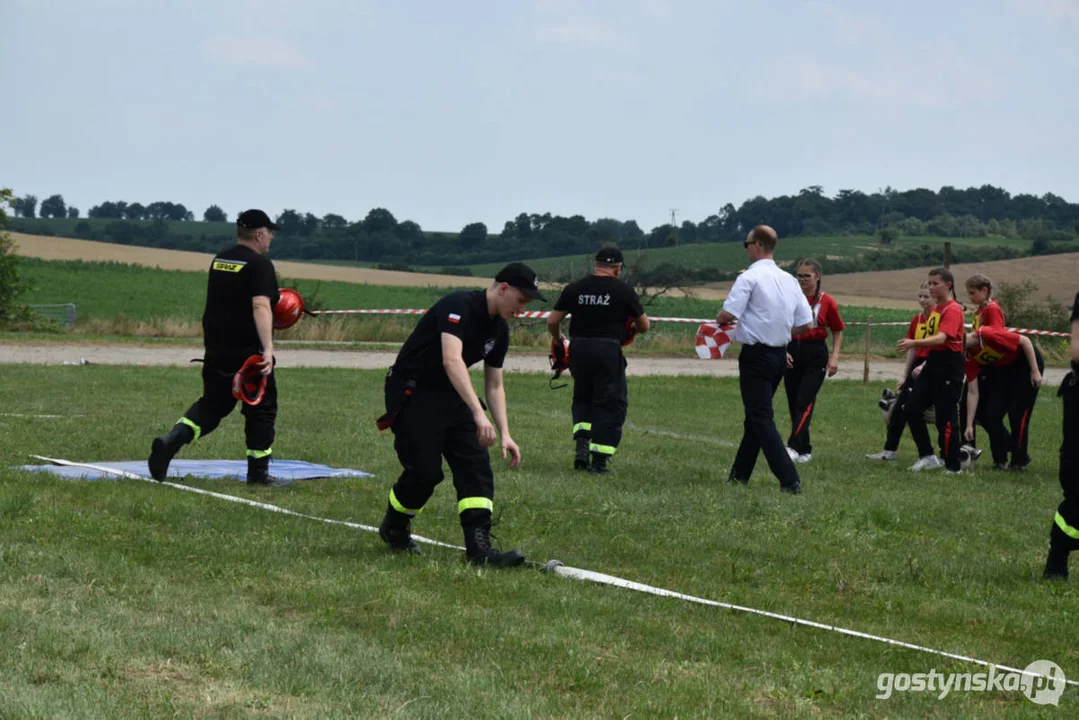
(399, 390)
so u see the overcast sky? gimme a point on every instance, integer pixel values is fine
(448, 112)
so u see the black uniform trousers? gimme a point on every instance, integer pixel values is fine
(429, 425)
(1010, 395)
(217, 402)
(1065, 530)
(760, 369)
(600, 395)
(802, 383)
(987, 378)
(897, 421)
(940, 384)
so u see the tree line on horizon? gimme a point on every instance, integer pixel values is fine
(986, 211)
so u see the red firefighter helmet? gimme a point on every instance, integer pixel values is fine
(248, 384)
(289, 309)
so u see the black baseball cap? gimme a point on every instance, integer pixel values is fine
(609, 255)
(521, 277)
(253, 219)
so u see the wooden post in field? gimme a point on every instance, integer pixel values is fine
(868, 335)
(947, 255)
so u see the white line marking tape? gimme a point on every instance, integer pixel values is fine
(539, 314)
(556, 567)
(231, 498)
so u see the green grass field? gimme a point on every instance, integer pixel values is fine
(129, 599)
(731, 256)
(103, 290)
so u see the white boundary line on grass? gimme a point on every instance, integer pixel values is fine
(229, 498)
(556, 567)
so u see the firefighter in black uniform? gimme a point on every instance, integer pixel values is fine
(241, 295)
(434, 411)
(1064, 535)
(605, 313)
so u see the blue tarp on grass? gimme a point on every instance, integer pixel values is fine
(211, 469)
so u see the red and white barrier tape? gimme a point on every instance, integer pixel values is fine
(540, 314)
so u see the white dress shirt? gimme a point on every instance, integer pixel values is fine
(768, 302)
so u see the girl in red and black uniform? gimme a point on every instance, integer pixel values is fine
(808, 360)
(1018, 376)
(987, 313)
(941, 382)
(897, 420)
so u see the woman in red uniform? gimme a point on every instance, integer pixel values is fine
(1018, 376)
(941, 382)
(808, 360)
(897, 420)
(987, 313)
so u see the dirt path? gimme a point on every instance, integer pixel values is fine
(293, 357)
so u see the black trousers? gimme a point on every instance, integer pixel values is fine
(897, 421)
(1065, 529)
(802, 383)
(987, 377)
(940, 384)
(1010, 396)
(600, 395)
(217, 402)
(430, 425)
(760, 369)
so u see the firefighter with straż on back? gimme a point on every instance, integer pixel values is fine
(605, 313)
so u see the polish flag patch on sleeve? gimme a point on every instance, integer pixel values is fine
(713, 340)
(454, 318)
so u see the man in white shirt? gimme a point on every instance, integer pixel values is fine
(768, 305)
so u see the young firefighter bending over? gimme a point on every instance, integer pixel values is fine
(1018, 366)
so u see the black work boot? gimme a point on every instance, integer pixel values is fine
(599, 463)
(258, 473)
(582, 457)
(164, 448)
(1056, 564)
(477, 527)
(396, 532)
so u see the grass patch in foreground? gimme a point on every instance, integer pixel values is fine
(123, 599)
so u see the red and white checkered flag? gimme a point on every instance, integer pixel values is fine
(713, 340)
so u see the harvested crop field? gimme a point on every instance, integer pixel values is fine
(56, 248)
(1055, 275)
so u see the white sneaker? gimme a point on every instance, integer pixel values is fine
(882, 455)
(929, 462)
(793, 454)
(803, 458)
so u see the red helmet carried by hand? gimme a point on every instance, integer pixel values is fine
(289, 309)
(249, 384)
